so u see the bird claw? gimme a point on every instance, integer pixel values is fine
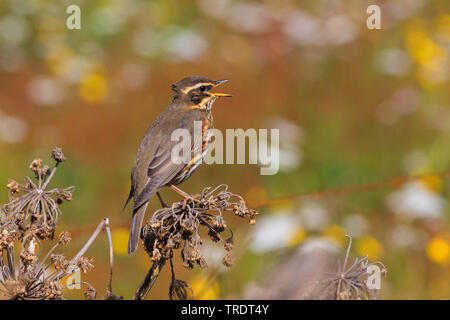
(187, 197)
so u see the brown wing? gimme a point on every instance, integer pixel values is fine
(162, 169)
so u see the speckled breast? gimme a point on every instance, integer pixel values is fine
(197, 157)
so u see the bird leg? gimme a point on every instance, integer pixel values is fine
(184, 194)
(163, 204)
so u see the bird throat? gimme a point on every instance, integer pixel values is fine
(206, 104)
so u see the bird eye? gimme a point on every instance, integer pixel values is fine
(202, 88)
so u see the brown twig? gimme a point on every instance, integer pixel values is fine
(149, 279)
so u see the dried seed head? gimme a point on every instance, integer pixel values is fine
(180, 290)
(186, 260)
(13, 186)
(9, 233)
(85, 264)
(228, 260)
(156, 255)
(195, 254)
(155, 225)
(43, 230)
(228, 245)
(52, 290)
(188, 265)
(187, 225)
(64, 238)
(170, 244)
(202, 263)
(46, 170)
(219, 224)
(28, 255)
(36, 165)
(58, 155)
(14, 289)
(178, 226)
(64, 194)
(32, 215)
(90, 293)
(350, 281)
(214, 235)
(345, 295)
(28, 185)
(60, 262)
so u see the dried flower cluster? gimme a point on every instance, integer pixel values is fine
(351, 283)
(26, 221)
(177, 227)
(31, 206)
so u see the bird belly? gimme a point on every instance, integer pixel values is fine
(189, 169)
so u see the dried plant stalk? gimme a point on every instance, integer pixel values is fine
(26, 221)
(177, 227)
(350, 283)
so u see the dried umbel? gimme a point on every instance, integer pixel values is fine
(58, 155)
(29, 218)
(31, 206)
(351, 283)
(179, 289)
(177, 227)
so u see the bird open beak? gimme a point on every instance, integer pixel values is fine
(217, 83)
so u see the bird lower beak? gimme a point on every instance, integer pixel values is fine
(216, 94)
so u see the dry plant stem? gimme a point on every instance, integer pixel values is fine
(343, 268)
(178, 228)
(163, 204)
(29, 217)
(10, 257)
(351, 283)
(182, 193)
(111, 254)
(103, 225)
(100, 227)
(49, 177)
(149, 279)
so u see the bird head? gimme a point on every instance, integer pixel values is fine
(196, 91)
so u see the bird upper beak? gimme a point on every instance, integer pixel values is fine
(217, 83)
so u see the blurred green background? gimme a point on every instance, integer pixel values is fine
(354, 106)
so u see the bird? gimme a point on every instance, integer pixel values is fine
(154, 167)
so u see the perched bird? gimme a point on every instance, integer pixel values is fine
(154, 167)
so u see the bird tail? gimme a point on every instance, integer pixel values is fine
(135, 229)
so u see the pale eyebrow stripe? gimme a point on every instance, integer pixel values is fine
(186, 90)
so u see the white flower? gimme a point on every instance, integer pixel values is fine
(12, 129)
(273, 232)
(416, 201)
(314, 216)
(186, 45)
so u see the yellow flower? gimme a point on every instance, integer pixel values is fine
(93, 87)
(443, 28)
(335, 234)
(423, 49)
(203, 289)
(370, 246)
(120, 241)
(297, 237)
(438, 250)
(431, 57)
(432, 182)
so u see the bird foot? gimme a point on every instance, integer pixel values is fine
(186, 195)
(163, 204)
